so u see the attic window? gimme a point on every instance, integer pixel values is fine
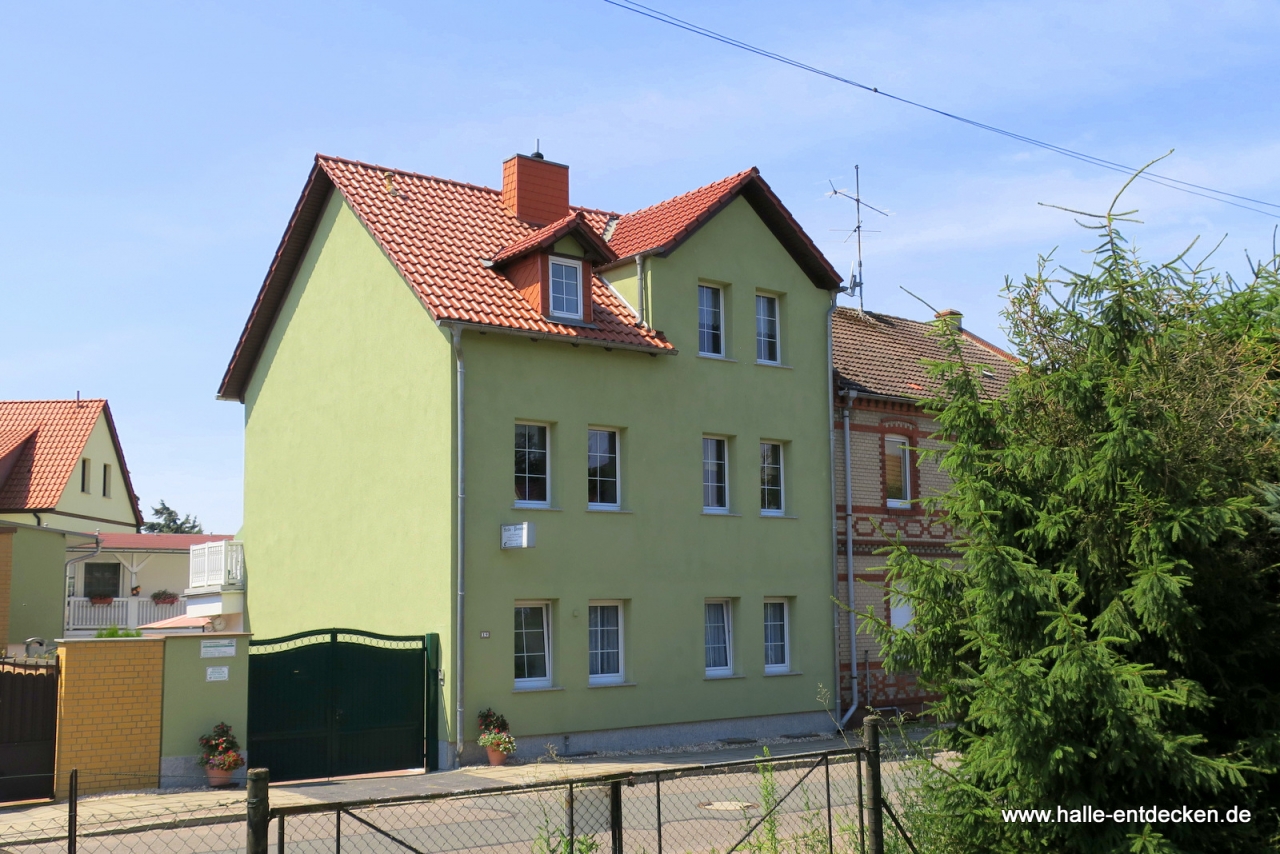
(85, 485)
(566, 288)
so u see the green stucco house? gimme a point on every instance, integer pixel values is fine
(592, 451)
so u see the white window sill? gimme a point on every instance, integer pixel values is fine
(774, 365)
(611, 684)
(606, 508)
(773, 514)
(534, 689)
(712, 511)
(898, 504)
(556, 315)
(784, 673)
(716, 677)
(532, 505)
(714, 357)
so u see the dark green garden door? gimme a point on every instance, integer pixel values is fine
(337, 702)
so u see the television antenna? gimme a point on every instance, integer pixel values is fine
(855, 274)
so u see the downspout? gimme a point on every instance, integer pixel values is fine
(835, 518)
(459, 726)
(641, 315)
(849, 397)
(66, 597)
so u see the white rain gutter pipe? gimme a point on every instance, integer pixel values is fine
(849, 397)
(641, 313)
(835, 518)
(459, 398)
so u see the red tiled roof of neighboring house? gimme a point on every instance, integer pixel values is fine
(884, 355)
(444, 235)
(55, 435)
(545, 237)
(112, 542)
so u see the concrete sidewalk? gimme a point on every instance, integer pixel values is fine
(150, 809)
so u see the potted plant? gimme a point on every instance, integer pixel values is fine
(164, 597)
(101, 600)
(499, 745)
(495, 736)
(220, 755)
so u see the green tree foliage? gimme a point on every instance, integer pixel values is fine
(167, 522)
(1110, 632)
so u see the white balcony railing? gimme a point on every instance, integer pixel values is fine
(218, 564)
(125, 613)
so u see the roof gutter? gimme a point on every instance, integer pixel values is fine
(461, 325)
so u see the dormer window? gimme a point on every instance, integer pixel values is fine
(566, 288)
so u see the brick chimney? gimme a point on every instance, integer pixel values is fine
(534, 189)
(951, 316)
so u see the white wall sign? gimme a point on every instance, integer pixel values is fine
(217, 674)
(519, 536)
(218, 648)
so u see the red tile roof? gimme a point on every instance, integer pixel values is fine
(439, 234)
(154, 542)
(545, 237)
(884, 355)
(53, 434)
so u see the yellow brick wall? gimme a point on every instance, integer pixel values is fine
(6, 579)
(110, 694)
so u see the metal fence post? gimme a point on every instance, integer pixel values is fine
(826, 761)
(337, 832)
(280, 834)
(862, 813)
(615, 815)
(874, 819)
(73, 787)
(258, 811)
(569, 847)
(657, 800)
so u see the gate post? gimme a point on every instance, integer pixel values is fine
(615, 815)
(874, 819)
(258, 807)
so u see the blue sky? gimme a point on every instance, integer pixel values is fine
(150, 155)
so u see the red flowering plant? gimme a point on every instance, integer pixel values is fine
(220, 751)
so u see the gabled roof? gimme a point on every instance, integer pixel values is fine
(883, 355)
(663, 227)
(113, 542)
(574, 224)
(52, 435)
(444, 238)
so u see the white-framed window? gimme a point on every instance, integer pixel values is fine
(602, 469)
(604, 643)
(715, 474)
(777, 636)
(710, 320)
(771, 479)
(106, 481)
(900, 611)
(533, 466)
(101, 580)
(718, 637)
(897, 472)
(767, 329)
(85, 476)
(566, 287)
(533, 645)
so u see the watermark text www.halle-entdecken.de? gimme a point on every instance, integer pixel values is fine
(1130, 815)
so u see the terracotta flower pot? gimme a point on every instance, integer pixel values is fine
(496, 756)
(218, 778)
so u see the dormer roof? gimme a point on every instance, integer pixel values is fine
(574, 225)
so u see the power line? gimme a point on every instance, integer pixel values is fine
(1163, 180)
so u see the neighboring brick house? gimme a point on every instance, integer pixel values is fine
(881, 377)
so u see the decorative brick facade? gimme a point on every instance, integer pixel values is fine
(110, 697)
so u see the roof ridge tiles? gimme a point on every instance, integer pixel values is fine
(726, 179)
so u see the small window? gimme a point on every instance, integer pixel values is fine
(715, 475)
(770, 479)
(532, 646)
(531, 465)
(718, 637)
(897, 472)
(710, 321)
(604, 629)
(566, 288)
(106, 481)
(101, 580)
(766, 329)
(602, 469)
(900, 611)
(777, 647)
(85, 476)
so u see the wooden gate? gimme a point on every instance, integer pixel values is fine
(28, 724)
(337, 702)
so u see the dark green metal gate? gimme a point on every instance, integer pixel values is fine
(338, 701)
